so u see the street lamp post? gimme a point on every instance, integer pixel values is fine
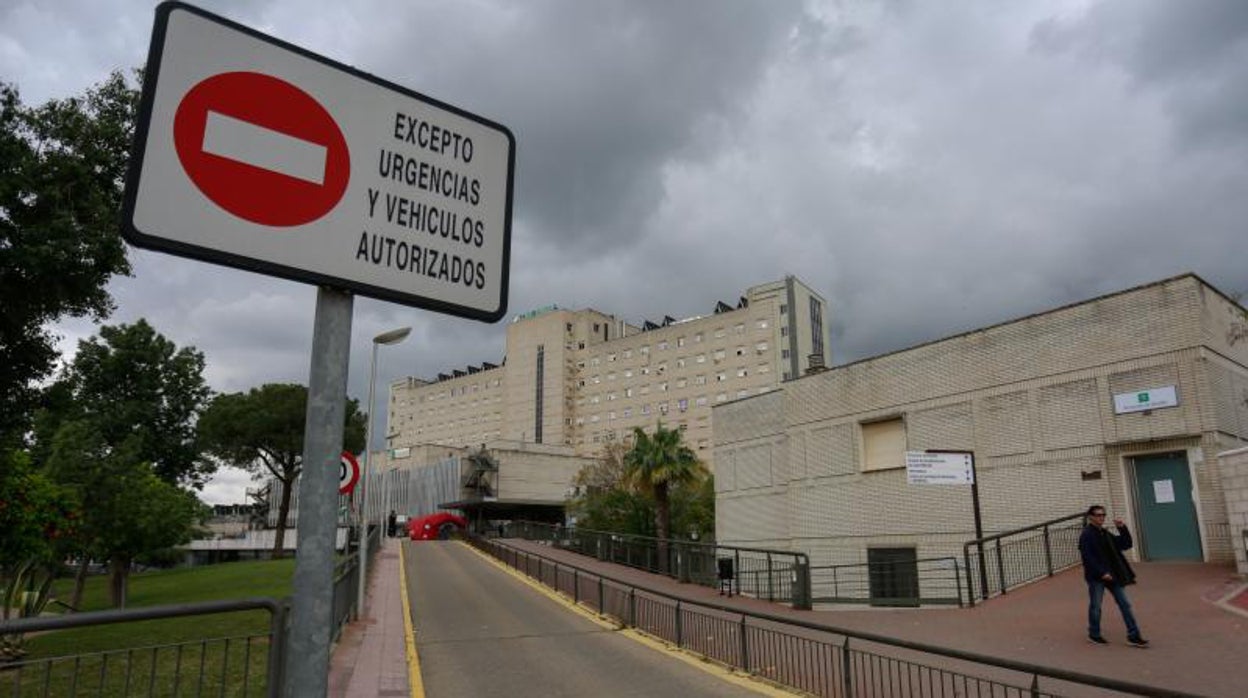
(391, 337)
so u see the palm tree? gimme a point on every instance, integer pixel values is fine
(656, 463)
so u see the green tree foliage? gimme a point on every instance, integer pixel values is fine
(609, 500)
(139, 391)
(126, 510)
(62, 167)
(118, 431)
(262, 431)
(35, 513)
(658, 462)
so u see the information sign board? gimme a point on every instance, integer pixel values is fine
(924, 468)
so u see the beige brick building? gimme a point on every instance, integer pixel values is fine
(1123, 400)
(583, 379)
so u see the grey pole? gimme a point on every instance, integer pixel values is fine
(307, 669)
(391, 337)
(368, 464)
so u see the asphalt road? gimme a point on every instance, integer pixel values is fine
(481, 633)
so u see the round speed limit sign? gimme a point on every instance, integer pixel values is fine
(348, 473)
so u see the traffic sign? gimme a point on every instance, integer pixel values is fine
(261, 149)
(348, 473)
(923, 468)
(257, 154)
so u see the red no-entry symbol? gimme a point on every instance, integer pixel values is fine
(261, 148)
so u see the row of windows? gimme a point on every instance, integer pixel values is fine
(662, 408)
(681, 362)
(664, 345)
(700, 379)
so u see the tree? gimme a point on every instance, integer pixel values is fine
(136, 387)
(34, 513)
(608, 500)
(656, 463)
(118, 430)
(126, 510)
(262, 430)
(62, 167)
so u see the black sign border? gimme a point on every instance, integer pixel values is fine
(139, 238)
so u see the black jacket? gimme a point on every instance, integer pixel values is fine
(1102, 554)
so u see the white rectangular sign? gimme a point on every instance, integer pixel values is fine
(939, 468)
(1163, 491)
(1150, 399)
(257, 154)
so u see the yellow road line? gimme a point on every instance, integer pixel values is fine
(409, 635)
(739, 678)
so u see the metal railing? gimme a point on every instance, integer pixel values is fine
(774, 575)
(818, 660)
(347, 581)
(995, 564)
(246, 665)
(936, 580)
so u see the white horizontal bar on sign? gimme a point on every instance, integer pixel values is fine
(245, 142)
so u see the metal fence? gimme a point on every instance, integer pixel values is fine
(247, 665)
(775, 575)
(998, 563)
(814, 659)
(937, 580)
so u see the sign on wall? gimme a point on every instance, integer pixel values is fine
(254, 153)
(924, 468)
(1150, 399)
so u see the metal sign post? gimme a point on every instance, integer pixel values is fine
(312, 606)
(947, 467)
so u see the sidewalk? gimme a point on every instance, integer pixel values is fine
(370, 659)
(1198, 644)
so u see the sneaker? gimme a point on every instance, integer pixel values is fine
(1137, 641)
(1097, 640)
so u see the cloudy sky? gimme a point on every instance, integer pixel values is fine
(929, 167)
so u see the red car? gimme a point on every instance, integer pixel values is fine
(439, 526)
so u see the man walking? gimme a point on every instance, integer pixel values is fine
(1104, 567)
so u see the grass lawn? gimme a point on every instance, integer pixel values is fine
(127, 658)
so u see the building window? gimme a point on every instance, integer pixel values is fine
(719, 377)
(739, 329)
(761, 347)
(783, 308)
(663, 345)
(742, 373)
(645, 409)
(628, 373)
(680, 341)
(719, 333)
(682, 382)
(883, 444)
(683, 404)
(816, 326)
(784, 353)
(762, 324)
(701, 358)
(610, 357)
(721, 397)
(628, 412)
(784, 331)
(699, 380)
(662, 408)
(538, 388)
(663, 387)
(628, 392)
(680, 363)
(701, 401)
(697, 338)
(628, 353)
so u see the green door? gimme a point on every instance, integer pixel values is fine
(1163, 493)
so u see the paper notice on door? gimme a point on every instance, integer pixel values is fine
(1163, 491)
